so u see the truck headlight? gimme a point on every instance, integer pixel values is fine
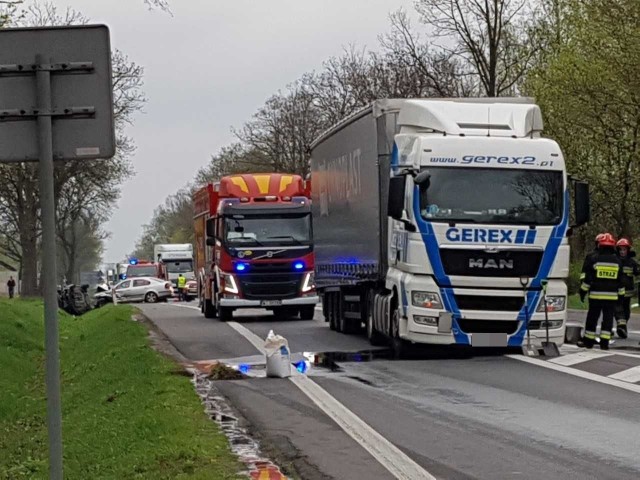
(309, 282)
(426, 300)
(229, 284)
(554, 304)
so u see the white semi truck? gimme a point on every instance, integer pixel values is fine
(176, 258)
(440, 221)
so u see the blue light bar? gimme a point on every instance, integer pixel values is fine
(241, 267)
(244, 368)
(298, 265)
(133, 261)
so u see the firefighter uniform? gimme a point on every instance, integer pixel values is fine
(603, 284)
(630, 270)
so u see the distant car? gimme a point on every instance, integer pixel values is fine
(143, 289)
(192, 290)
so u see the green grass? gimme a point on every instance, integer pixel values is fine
(126, 413)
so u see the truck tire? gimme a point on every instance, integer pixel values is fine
(399, 346)
(336, 311)
(208, 308)
(307, 312)
(328, 299)
(374, 336)
(225, 314)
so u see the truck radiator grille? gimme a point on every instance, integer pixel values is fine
(488, 326)
(271, 287)
(503, 263)
(496, 304)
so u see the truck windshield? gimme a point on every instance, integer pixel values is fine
(179, 266)
(488, 195)
(141, 271)
(274, 229)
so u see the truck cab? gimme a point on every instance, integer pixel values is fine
(255, 246)
(445, 222)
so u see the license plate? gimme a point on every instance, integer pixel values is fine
(270, 303)
(489, 339)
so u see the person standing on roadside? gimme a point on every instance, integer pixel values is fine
(630, 270)
(11, 287)
(182, 284)
(603, 283)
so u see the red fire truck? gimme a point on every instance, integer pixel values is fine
(254, 246)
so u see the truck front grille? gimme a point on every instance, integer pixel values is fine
(479, 263)
(276, 286)
(496, 304)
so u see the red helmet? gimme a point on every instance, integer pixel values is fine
(599, 237)
(623, 242)
(607, 240)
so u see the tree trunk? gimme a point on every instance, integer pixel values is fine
(29, 245)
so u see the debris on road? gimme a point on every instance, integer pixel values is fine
(278, 356)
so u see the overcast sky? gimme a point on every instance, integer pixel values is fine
(208, 68)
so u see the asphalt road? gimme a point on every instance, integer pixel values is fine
(457, 414)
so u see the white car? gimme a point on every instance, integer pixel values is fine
(142, 289)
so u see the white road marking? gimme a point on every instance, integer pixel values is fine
(580, 357)
(631, 375)
(578, 373)
(390, 457)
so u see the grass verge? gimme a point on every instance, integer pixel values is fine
(126, 414)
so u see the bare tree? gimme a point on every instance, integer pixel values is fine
(84, 189)
(492, 38)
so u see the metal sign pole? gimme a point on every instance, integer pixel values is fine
(49, 276)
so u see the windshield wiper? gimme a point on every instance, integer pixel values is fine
(286, 236)
(233, 240)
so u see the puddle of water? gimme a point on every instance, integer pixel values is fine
(329, 360)
(241, 443)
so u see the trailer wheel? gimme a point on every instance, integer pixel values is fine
(208, 309)
(399, 346)
(307, 312)
(332, 310)
(337, 312)
(225, 314)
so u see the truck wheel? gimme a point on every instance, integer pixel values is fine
(375, 338)
(307, 312)
(328, 299)
(208, 309)
(399, 346)
(225, 314)
(337, 312)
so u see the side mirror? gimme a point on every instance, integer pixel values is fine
(211, 227)
(423, 179)
(395, 206)
(211, 241)
(581, 203)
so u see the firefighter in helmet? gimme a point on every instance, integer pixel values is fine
(603, 284)
(630, 269)
(593, 252)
